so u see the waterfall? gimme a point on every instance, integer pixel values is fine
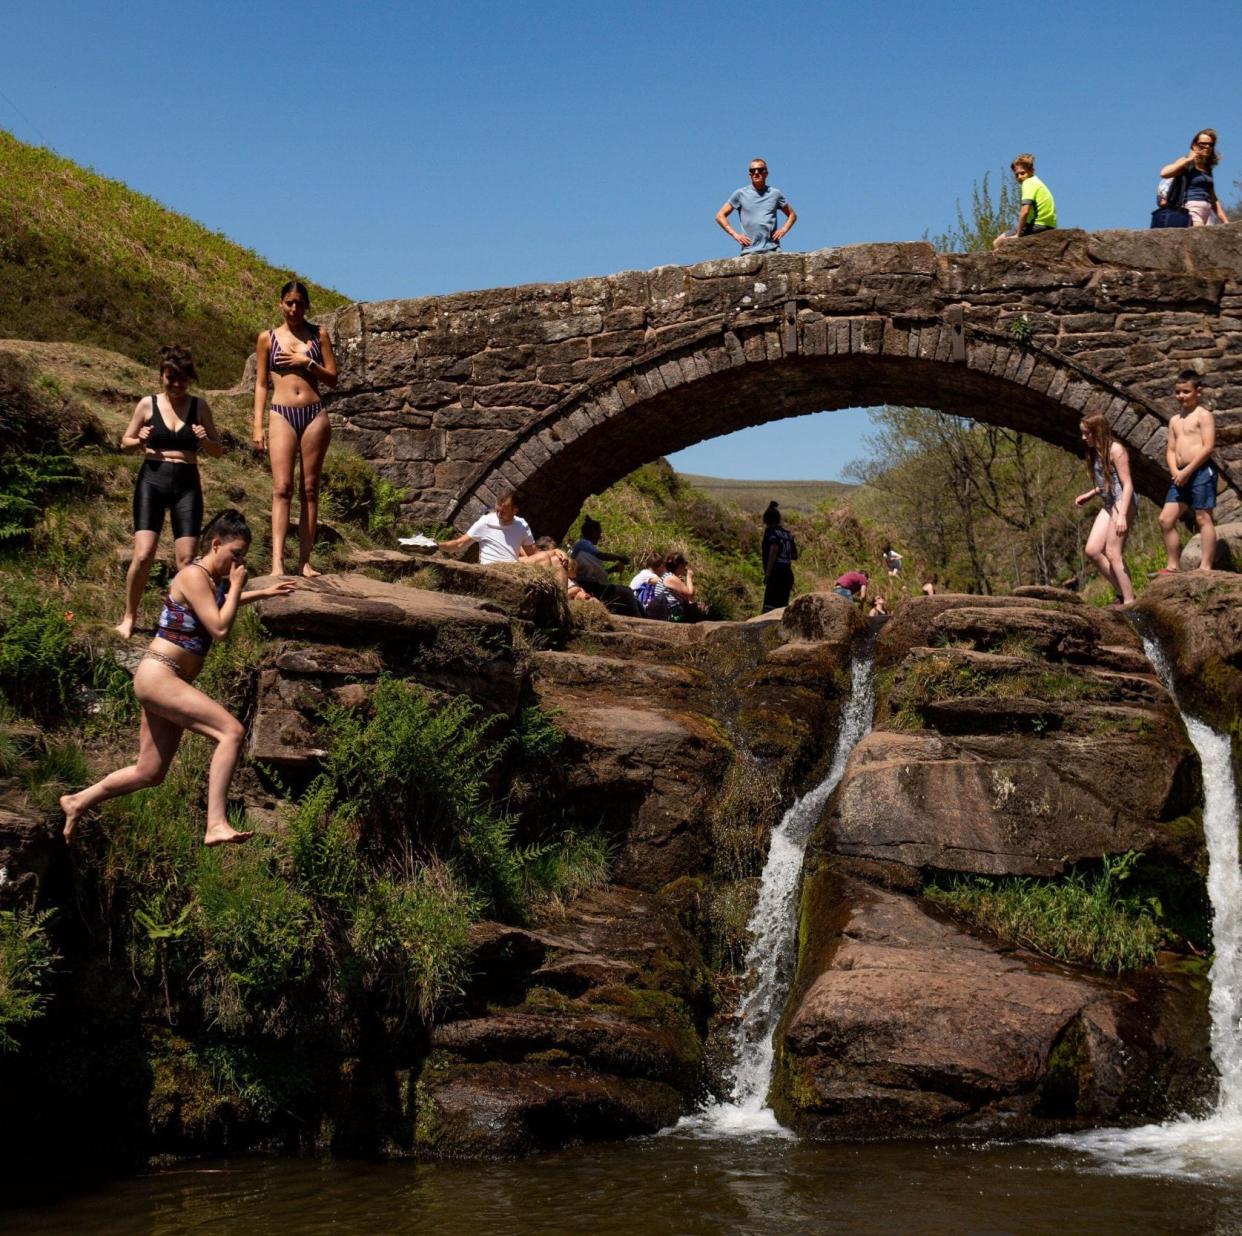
(1224, 886)
(772, 957)
(1187, 1147)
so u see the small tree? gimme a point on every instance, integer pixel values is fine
(987, 218)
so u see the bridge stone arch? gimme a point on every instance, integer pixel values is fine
(561, 389)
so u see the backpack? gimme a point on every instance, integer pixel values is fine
(645, 592)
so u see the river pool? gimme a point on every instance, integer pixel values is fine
(671, 1184)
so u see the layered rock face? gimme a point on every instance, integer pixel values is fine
(592, 1023)
(1015, 736)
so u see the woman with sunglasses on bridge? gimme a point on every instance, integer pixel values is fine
(1194, 170)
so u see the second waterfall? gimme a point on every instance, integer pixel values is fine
(772, 957)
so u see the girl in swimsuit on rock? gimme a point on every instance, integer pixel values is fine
(296, 359)
(1110, 470)
(201, 604)
(171, 428)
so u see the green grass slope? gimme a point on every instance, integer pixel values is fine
(802, 497)
(85, 259)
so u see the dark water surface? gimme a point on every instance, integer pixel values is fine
(657, 1186)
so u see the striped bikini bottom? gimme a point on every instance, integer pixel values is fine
(298, 418)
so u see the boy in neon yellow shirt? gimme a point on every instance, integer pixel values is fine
(1039, 211)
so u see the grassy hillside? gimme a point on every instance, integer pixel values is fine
(88, 260)
(802, 497)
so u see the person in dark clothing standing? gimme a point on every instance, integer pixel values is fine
(779, 552)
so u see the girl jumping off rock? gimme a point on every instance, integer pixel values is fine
(202, 602)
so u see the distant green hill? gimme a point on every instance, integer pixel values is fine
(85, 259)
(800, 496)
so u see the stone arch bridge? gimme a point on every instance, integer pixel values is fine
(561, 389)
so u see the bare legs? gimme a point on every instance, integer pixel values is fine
(285, 449)
(314, 450)
(1170, 513)
(145, 544)
(1107, 551)
(169, 707)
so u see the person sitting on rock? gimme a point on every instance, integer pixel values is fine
(502, 537)
(1038, 212)
(675, 592)
(573, 589)
(852, 584)
(643, 585)
(592, 574)
(879, 608)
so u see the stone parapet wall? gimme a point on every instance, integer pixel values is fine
(561, 389)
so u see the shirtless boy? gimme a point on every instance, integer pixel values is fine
(1192, 438)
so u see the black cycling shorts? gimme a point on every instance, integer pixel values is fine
(171, 487)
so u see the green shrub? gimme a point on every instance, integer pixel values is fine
(59, 768)
(419, 769)
(323, 845)
(42, 666)
(257, 933)
(538, 736)
(26, 961)
(1083, 917)
(411, 933)
(356, 493)
(575, 864)
(26, 481)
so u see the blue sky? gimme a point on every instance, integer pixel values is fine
(411, 149)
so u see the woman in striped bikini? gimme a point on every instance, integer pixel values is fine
(296, 359)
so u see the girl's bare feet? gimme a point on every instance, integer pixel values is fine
(73, 813)
(125, 628)
(225, 834)
(309, 571)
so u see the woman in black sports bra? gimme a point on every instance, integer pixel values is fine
(170, 428)
(296, 359)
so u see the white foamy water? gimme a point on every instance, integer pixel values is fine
(1211, 1147)
(773, 928)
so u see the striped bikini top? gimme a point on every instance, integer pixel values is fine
(312, 348)
(179, 623)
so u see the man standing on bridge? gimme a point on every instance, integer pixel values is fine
(757, 205)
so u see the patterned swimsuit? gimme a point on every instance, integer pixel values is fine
(179, 623)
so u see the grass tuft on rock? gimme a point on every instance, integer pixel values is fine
(1084, 917)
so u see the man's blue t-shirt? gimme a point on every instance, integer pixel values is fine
(758, 211)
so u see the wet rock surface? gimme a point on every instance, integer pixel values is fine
(1015, 736)
(910, 1024)
(587, 1028)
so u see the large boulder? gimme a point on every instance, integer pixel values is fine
(353, 609)
(644, 768)
(1048, 620)
(1197, 616)
(1000, 804)
(1228, 555)
(902, 1024)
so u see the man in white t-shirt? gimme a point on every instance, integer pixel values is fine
(502, 536)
